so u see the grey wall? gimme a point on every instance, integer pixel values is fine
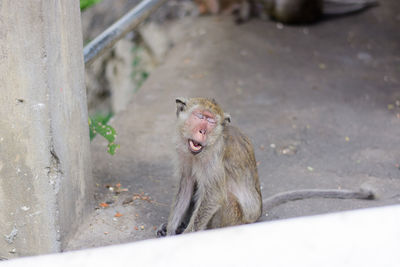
(45, 172)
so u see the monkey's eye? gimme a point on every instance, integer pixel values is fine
(211, 120)
(199, 115)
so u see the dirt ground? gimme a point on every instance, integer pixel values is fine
(321, 104)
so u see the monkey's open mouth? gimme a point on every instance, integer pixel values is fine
(195, 147)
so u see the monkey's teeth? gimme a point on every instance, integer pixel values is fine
(195, 147)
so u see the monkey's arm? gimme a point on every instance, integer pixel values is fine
(315, 193)
(181, 204)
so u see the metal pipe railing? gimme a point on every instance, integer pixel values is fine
(119, 29)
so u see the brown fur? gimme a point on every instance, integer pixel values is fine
(221, 180)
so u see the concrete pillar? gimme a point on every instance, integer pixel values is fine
(45, 171)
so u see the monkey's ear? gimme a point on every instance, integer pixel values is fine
(227, 118)
(180, 105)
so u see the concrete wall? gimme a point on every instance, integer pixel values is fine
(45, 171)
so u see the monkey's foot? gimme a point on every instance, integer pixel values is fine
(181, 228)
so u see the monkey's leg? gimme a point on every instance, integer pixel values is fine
(229, 214)
(181, 204)
(205, 210)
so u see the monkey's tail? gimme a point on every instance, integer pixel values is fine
(284, 197)
(343, 7)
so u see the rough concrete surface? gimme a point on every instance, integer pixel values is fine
(45, 170)
(320, 104)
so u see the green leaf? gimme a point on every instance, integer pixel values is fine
(97, 125)
(111, 148)
(87, 3)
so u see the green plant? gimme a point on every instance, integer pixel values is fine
(87, 3)
(98, 122)
(98, 125)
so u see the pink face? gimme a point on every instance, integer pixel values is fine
(201, 123)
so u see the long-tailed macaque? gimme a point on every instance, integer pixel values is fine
(217, 168)
(308, 11)
(241, 9)
(285, 11)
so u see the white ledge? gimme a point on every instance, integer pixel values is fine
(369, 237)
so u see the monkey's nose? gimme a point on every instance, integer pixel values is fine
(203, 131)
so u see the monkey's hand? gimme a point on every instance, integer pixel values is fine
(162, 230)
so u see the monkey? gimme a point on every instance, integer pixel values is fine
(285, 11)
(208, 6)
(219, 184)
(241, 9)
(309, 11)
